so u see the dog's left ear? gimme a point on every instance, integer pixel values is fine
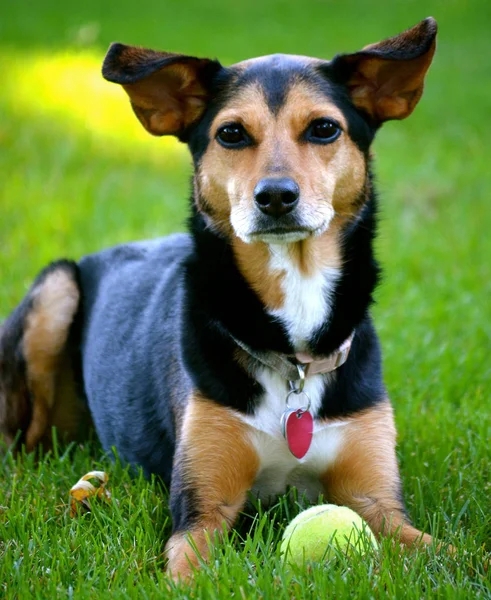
(385, 80)
(168, 92)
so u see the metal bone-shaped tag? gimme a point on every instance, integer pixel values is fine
(298, 427)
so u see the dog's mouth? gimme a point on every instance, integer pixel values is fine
(285, 229)
(280, 235)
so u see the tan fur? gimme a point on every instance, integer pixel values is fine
(46, 332)
(318, 253)
(253, 262)
(366, 475)
(220, 466)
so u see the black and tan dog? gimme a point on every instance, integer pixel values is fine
(241, 356)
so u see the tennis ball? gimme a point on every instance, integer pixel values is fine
(314, 534)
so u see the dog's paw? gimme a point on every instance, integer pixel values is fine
(182, 557)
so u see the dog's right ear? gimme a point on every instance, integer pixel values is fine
(168, 92)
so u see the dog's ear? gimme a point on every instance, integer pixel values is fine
(168, 92)
(385, 80)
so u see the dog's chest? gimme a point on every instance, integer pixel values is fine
(307, 299)
(306, 307)
(278, 468)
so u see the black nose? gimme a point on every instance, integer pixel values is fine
(276, 196)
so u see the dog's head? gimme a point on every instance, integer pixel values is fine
(280, 143)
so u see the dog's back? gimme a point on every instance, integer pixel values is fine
(132, 302)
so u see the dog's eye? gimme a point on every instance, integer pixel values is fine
(232, 136)
(323, 131)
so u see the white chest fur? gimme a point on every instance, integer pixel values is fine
(308, 299)
(306, 307)
(278, 468)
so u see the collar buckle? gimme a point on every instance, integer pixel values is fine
(296, 386)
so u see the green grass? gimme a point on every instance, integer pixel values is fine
(77, 175)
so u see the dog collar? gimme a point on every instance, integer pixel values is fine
(290, 367)
(297, 424)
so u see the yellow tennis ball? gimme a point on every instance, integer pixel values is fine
(315, 532)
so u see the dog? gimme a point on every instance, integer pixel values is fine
(240, 357)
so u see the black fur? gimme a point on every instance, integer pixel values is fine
(275, 74)
(145, 62)
(184, 502)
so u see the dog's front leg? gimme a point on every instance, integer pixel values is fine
(365, 477)
(214, 467)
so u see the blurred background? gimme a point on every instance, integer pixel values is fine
(78, 173)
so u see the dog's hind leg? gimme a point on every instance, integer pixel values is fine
(36, 362)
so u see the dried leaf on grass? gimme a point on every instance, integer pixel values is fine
(84, 489)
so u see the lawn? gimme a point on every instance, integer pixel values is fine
(79, 174)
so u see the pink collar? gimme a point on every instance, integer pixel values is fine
(288, 366)
(318, 366)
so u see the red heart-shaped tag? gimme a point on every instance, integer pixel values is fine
(298, 429)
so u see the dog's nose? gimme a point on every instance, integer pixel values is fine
(276, 196)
